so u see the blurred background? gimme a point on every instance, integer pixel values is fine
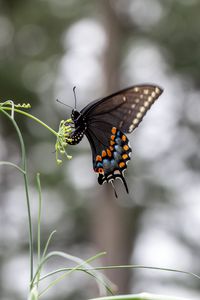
(46, 48)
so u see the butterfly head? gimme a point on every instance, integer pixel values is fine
(78, 127)
(75, 114)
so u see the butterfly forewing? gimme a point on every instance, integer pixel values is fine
(138, 102)
(125, 109)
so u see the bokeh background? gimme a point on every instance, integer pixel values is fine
(46, 48)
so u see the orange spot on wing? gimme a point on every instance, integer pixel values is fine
(112, 143)
(125, 156)
(109, 153)
(111, 148)
(122, 164)
(126, 147)
(114, 130)
(100, 170)
(123, 138)
(104, 153)
(112, 137)
(98, 158)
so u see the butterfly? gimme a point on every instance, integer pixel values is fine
(106, 121)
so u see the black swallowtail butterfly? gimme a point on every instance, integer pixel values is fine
(105, 122)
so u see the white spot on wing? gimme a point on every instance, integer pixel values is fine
(136, 89)
(157, 90)
(142, 109)
(131, 128)
(139, 115)
(117, 172)
(146, 104)
(135, 121)
(150, 98)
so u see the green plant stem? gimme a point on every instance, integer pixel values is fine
(66, 256)
(32, 117)
(42, 260)
(141, 296)
(121, 267)
(102, 281)
(39, 224)
(8, 163)
(87, 271)
(58, 253)
(24, 167)
(47, 243)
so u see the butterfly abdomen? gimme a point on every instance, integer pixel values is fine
(80, 128)
(76, 136)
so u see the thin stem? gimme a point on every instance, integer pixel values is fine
(66, 256)
(8, 163)
(24, 167)
(47, 243)
(32, 117)
(90, 271)
(29, 218)
(121, 267)
(43, 259)
(39, 224)
(141, 296)
(70, 271)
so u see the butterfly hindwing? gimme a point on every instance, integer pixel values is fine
(110, 159)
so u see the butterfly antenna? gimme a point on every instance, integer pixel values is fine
(63, 103)
(74, 91)
(114, 189)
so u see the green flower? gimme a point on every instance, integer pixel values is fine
(13, 106)
(63, 138)
(18, 105)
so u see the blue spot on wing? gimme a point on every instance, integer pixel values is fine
(118, 148)
(118, 141)
(99, 165)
